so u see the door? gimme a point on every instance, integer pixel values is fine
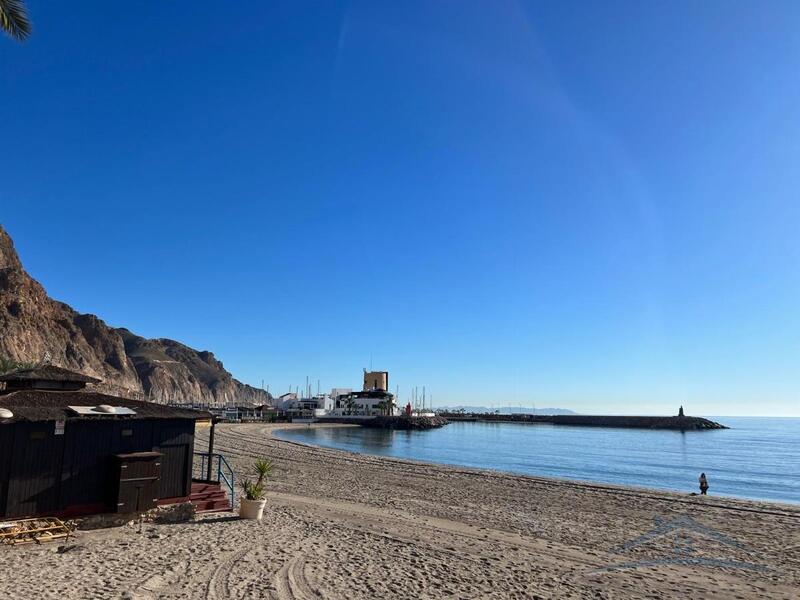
(175, 467)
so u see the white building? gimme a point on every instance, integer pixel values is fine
(294, 406)
(365, 404)
(286, 401)
(336, 392)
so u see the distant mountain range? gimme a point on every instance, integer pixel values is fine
(32, 324)
(509, 410)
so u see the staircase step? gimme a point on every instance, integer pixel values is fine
(209, 497)
(204, 487)
(220, 496)
(208, 505)
(212, 506)
(208, 490)
(207, 493)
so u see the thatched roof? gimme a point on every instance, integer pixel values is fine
(42, 405)
(47, 373)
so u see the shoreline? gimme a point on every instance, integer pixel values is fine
(348, 525)
(659, 493)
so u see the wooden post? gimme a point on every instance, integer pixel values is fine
(210, 448)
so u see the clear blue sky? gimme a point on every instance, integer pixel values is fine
(588, 205)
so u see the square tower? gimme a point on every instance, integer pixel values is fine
(376, 380)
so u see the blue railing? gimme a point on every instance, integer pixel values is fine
(222, 474)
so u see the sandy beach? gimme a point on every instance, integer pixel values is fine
(340, 525)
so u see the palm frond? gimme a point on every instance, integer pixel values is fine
(14, 19)
(9, 364)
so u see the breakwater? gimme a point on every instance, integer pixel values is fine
(679, 423)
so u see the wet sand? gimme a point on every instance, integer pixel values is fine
(343, 525)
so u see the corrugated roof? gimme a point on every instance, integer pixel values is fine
(43, 405)
(48, 373)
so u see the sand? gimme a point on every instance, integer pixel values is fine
(341, 525)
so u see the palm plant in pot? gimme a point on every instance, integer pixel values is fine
(252, 505)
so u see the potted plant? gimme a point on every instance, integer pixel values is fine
(252, 505)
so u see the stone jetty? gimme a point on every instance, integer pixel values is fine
(406, 422)
(678, 423)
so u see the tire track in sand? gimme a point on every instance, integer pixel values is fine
(217, 586)
(290, 580)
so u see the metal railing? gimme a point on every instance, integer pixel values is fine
(221, 472)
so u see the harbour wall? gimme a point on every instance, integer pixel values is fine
(636, 422)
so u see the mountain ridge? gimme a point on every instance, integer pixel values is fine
(508, 410)
(32, 324)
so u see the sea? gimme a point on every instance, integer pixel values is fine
(757, 458)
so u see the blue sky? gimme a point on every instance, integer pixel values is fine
(587, 205)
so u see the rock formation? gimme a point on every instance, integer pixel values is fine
(32, 324)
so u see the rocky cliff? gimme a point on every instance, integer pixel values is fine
(32, 324)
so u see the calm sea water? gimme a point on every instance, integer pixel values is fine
(757, 458)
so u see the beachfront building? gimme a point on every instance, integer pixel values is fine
(245, 414)
(305, 408)
(336, 392)
(372, 403)
(324, 403)
(316, 406)
(287, 400)
(67, 451)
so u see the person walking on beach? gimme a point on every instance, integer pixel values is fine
(703, 484)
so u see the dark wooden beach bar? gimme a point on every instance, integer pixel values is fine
(66, 451)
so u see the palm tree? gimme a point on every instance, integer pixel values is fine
(9, 364)
(14, 19)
